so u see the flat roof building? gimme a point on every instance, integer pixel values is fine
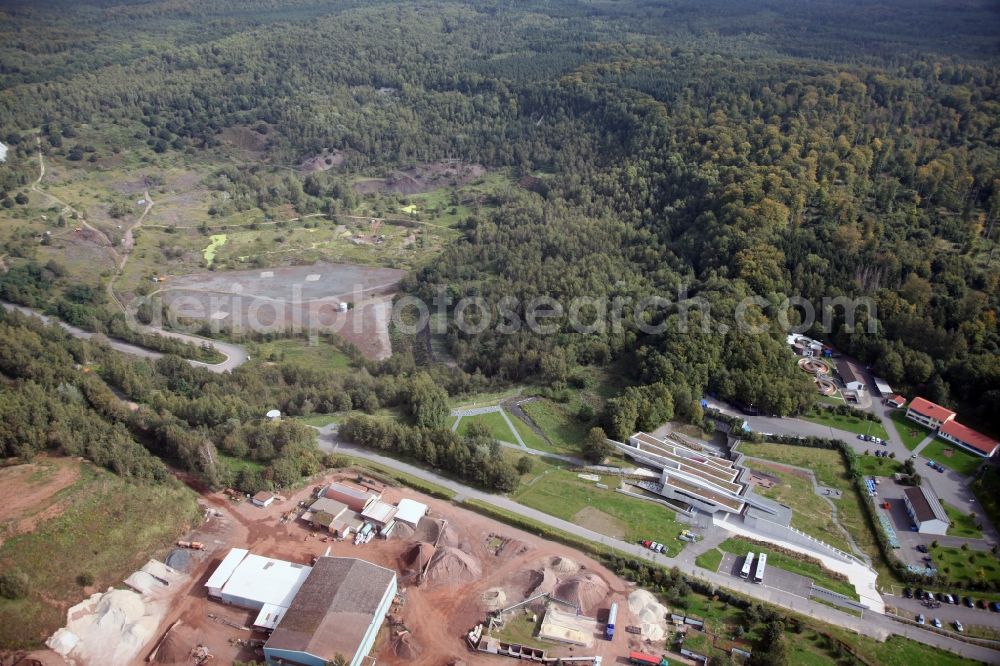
(324, 512)
(379, 512)
(337, 612)
(928, 414)
(224, 571)
(258, 581)
(692, 477)
(969, 439)
(410, 512)
(925, 510)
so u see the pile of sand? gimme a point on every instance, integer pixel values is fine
(650, 614)
(416, 557)
(586, 590)
(106, 628)
(494, 598)
(405, 646)
(543, 581)
(453, 565)
(175, 648)
(563, 565)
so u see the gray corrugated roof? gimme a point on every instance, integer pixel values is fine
(333, 609)
(925, 503)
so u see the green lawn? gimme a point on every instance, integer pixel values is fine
(563, 429)
(811, 512)
(960, 460)
(710, 559)
(108, 529)
(816, 572)
(531, 438)
(562, 494)
(849, 423)
(872, 465)
(830, 470)
(494, 421)
(956, 565)
(826, 464)
(521, 629)
(237, 464)
(987, 490)
(911, 433)
(962, 524)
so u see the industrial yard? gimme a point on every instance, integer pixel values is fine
(452, 571)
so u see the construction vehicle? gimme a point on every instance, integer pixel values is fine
(201, 655)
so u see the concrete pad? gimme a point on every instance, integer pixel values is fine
(313, 277)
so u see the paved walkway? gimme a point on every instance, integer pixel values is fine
(923, 445)
(873, 625)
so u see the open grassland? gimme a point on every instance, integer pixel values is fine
(322, 355)
(960, 460)
(911, 433)
(810, 512)
(563, 494)
(564, 431)
(101, 526)
(872, 465)
(809, 569)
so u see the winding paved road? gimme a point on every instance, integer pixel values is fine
(235, 354)
(873, 625)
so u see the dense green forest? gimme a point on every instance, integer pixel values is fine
(716, 149)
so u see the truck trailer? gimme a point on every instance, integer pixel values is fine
(609, 628)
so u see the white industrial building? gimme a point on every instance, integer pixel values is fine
(224, 571)
(334, 608)
(255, 581)
(925, 510)
(410, 512)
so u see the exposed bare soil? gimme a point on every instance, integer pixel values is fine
(423, 178)
(27, 493)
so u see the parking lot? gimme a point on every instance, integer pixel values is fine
(948, 613)
(773, 577)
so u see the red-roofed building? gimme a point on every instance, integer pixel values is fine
(968, 439)
(896, 401)
(929, 414)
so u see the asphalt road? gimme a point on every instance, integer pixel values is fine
(235, 354)
(873, 625)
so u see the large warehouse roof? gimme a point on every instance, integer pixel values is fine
(925, 503)
(263, 580)
(334, 608)
(972, 438)
(226, 568)
(410, 511)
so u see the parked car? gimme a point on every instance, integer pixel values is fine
(660, 548)
(995, 607)
(968, 602)
(959, 627)
(908, 593)
(920, 619)
(920, 593)
(922, 548)
(955, 600)
(861, 437)
(930, 596)
(936, 622)
(981, 603)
